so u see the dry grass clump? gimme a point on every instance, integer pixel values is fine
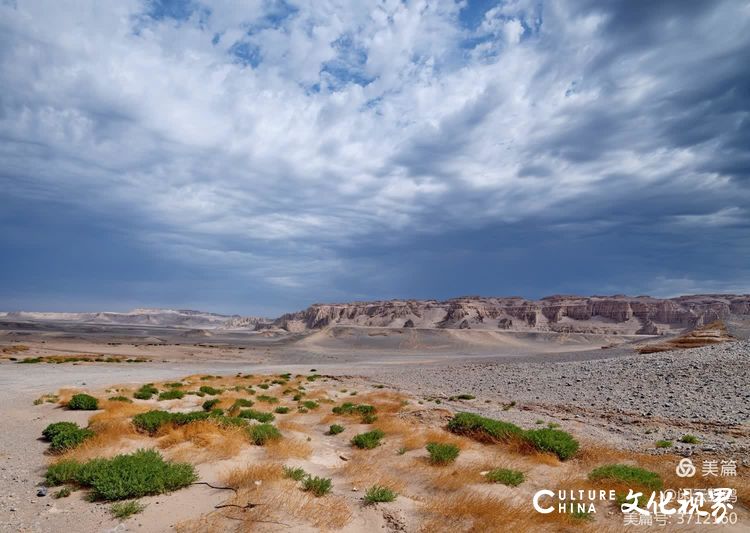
(385, 402)
(245, 477)
(285, 501)
(14, 348)
(416, 439)
(287, 424)
(288, 448)
(472, 511)
(208, 440)
(110, 438)
(365, 469)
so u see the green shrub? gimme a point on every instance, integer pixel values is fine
(208, 405)
(124, 476)
(313, 377)
(65, 435)
(145, 392)
(319, 486)
(442, 453)
(335, 429)
(242, 402)
(664, 443)
(206, 389)
(281, 410)
(309, 404)
(173, 394)
(369, 440)
(368, 418)
(297, 474)
(465, 397)
(297, 397)
(630, 475)
(83, 402)
(377, 494)
(151, 421)
(264, 386)
(123, 510)
(56, 428)
(506, 476)
(689, 439)
(558, 442)
(207, 378)
(261, 434)
(62, 493)
(483, 429)
(266, 399)
(120, 399)
(260, 416)
(174, 384)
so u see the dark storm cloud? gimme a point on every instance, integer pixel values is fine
(259, 157)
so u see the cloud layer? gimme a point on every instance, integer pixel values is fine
(258, 155)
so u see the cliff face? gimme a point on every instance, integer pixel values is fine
(595, 314)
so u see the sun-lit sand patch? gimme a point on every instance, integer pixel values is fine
(251, 456)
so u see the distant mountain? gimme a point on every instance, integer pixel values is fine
(145, 317)
(596, 314)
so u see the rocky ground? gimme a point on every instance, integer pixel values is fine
(703, 391)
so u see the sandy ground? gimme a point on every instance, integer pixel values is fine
(611, 396)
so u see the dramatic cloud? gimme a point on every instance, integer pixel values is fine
(256, 156)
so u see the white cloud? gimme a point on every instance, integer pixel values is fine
(102, 105)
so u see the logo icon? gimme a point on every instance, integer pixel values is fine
(685, 468)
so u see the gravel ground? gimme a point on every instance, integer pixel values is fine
(628, 401)
(703, 391)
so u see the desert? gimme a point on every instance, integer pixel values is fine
(642, 401)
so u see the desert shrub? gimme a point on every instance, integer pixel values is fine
(369, 440)
(62, 493)
(281, 410)
(65, 435)
(630, 475)
(56, 428)
(689, 439)
(151, 421)
(145, 392)
(297, 397)
(123, 510)
(319, 486)
(463, 397)
(260, 416)
(664, 443)
(31, 360)
(335, 429)
(483, 429)
(348, 408)
(83, 402)
(297, 474)
(368, 418)
(310, 404)
(207, 389)
(558, 442)
(442, 453)
(506, 476)
(124, 476)
(173, 394)
(208, 405)
(313, 377)
(242, 402)
(377, 494)
(174, 384)
(261, 434)
(120, 399)
(67, 440)
(208, 378)
(264, 386)
(266, 399)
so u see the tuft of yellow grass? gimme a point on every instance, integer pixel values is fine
(207, 440)
(245, 477)
(287, 448)
(111, 437)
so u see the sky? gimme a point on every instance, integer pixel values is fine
(258, 156)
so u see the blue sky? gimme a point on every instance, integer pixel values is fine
(255, 157)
